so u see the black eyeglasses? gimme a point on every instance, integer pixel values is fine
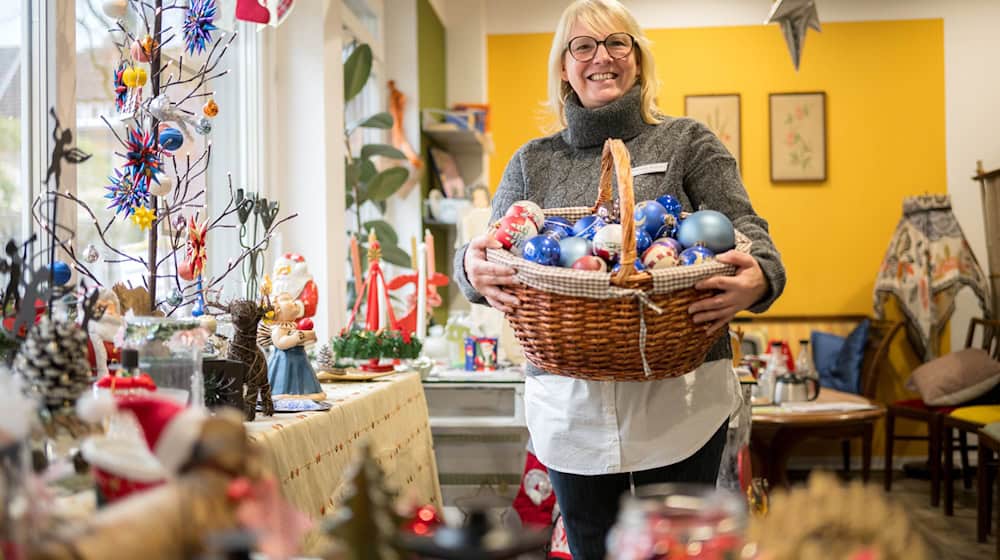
(584, 48)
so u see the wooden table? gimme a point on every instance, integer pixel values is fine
(776, 431)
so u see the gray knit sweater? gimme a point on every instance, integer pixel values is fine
(563, 169)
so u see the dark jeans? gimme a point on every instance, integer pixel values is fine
(589, 504)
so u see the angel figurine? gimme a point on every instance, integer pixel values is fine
(288, 369)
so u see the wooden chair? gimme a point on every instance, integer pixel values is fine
(986, 477)
(933, 416)
(964, 420)
(880, 336)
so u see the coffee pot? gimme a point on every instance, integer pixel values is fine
(795, 388)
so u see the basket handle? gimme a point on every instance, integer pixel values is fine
(615, 158)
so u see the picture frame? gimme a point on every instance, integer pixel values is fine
(798, 137)
(720, 112)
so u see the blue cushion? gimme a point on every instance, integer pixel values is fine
(838, 359)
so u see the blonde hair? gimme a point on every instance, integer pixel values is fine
(601, 14)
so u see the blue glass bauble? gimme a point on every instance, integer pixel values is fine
(670, 225)
(571, 249)
(642, 241)
(541, 249)
(709, 227)
(171, 139)
(558, 227)
(587, 226)
(671, 204)
(650, 215)
(639, 267)
(61, 273)
(696, 255)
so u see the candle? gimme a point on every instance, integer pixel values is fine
(413, 252)
(421, 291)
(429, 241)
(356, 264)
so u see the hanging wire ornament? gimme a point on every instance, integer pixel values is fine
(121, 90)
(198, 26)
(142, 158)
(124, 194)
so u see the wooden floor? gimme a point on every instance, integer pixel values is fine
(948, 538)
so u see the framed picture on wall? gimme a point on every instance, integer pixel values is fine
(798, 137)
(721, 114)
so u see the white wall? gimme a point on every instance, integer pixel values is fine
(304, 113)
(972, 82)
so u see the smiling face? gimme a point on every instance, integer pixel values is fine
(603, 79)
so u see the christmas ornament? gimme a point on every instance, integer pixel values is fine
(115, 9)
(661, 255)
(529, 210)
(608, 211)
(590, 262)
(671, 205)
(90, 254)
(124, 194)
(587, 226)
(211, 108)
(171, 139)
(670, 225)
(642, 241)
(185, 272)
(571, 249)
(670, 241)
(608, 242)
(252, 11)
(795, 18)
(513, 231)
(121, 90)
(139, 54)
(709, 227)
(162, 188)
(198, 26)
(650, 216)
(53, 358)
(639, 267)
(143, 217)
(542, 249)
(142, 158)
(424, 522)
(558, 227)
(696, 255)
(61, 273)
(196, 250)
(203, 126)
(175, 298)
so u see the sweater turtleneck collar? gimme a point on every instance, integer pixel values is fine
(622, 118)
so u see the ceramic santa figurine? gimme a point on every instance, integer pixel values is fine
(101, 349)
(288, 369)
(292, 277)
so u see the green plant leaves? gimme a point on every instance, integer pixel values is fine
(386, 234)
(357, 69)
(378, 120)
(394, 255)
(386, 183)
(369, 150)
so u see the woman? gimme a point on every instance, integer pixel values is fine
(600, 438)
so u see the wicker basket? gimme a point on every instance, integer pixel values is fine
(626, 326)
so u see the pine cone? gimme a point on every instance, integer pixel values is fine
(324, 358)
(53, 359)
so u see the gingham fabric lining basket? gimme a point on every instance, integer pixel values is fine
(596, 325)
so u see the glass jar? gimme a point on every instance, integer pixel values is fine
(170, 352)
(679, 521)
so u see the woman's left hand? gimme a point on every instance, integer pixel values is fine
(738, 292)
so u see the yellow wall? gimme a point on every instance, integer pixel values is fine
(884, 83)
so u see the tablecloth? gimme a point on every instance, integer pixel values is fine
(311, 451)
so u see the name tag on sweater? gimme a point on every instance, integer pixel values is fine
(650, 168)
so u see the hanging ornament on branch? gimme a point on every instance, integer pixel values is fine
(198, 25)
(795, 17)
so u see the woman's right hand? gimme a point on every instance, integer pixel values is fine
(489, 278)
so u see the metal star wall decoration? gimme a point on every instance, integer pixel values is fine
(795, 17)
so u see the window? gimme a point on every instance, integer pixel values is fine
(14, 119)
(233, 139)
